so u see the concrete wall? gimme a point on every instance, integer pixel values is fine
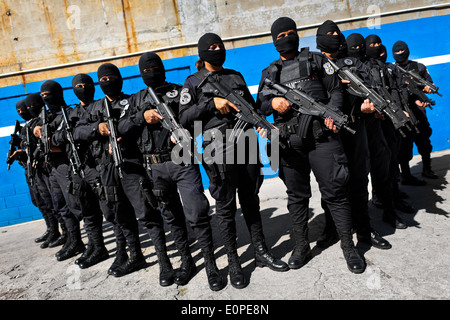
(45, 39)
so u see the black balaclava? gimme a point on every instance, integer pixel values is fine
(399, 46)
(215, 57)
(55, 99)
(156, 76)
(373, 52)
(354, 40)
(343, 49)
(85, 94)
(286, 44)
(328, 43)
(34, 104)
(384, 56)
(22, 107)
(111, 88)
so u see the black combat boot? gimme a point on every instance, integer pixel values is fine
(302, 251)
(44, 236)
(86, 253)
(53, 233)
(75, 247)
(408, 178)
(166, 273)
(97, 253)
(215, 280)
(135, 262)
(121, 256)
(187, 268)
(391, 217)
(372, 237)
(61, 239)
(354, 261)
(237, 278)
(426, 168)
(263, 258)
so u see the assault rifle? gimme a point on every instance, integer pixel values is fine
(13, 143)
(419, 80)
(45, 142)
(168, 119)
(382, 105)
(246, 114)
(30, 158)
(74, 157)
(305, 104)
(113, 136)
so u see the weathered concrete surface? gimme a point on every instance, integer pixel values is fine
(415, 268)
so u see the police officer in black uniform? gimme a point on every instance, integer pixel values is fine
(58, 164)
(166, 175)
(34, 105)
(400, 52)
(216, 116)
(383, 140)
(313, 144)
(21, 156)
(52, 94)
(85, 185)
(355, 145)
(119, 210)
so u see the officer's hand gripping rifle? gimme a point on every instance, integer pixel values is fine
(113, 136)
(303, 103)
(246, 114)
(13, 143)
(419, 80)
(74, 157)
(383, 106)
(179, 134)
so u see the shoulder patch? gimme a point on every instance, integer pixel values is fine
(123, 102)
(185, 96)
(172, 94)
(328, 68)
(348, 61)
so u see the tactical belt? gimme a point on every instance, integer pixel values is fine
(156, 158)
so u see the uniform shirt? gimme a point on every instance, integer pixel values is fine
(133, 123)
(321, 69)
(196, 106)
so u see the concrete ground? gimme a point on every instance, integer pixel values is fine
(416, 268)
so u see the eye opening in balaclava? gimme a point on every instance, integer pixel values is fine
(111, 87)
(373, 51)
(214, 57)
(400, 46)
(356, 40)
(326, 42)
(54, 97)
(34, 103)
(22, 110)
(152, 70)
(288, 43)
(85, 94)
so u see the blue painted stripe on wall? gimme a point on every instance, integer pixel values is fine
(426, 38)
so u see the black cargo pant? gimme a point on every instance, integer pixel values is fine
(59, 177)
(356, 148)
(118, 209)
(326, 158)
(41, 197)
(421, 139)
(172, 181)
(146, 213)
(380, 162)
(91, 202)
